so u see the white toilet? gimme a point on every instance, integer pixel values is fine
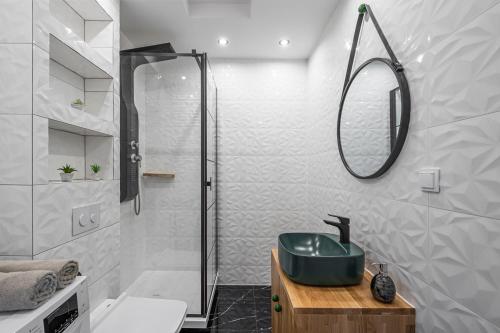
(128, 314)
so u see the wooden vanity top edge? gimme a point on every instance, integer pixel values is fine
(338, 300)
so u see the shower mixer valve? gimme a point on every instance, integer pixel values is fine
(136, 158)
(134, 144)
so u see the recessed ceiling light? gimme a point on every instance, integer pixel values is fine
(284, 42)
(223, 41)
(183, 77)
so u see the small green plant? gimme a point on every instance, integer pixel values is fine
(77, 102)
(67, 169)
(95, 168)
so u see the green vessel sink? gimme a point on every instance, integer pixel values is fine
(320, 259)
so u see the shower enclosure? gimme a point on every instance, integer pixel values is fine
(169, 167)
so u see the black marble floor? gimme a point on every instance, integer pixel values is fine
(239, 309)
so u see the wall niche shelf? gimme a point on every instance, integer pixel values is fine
(76, 181)
(159, 174)
(82, 62)
(89, 10)
(65, 127)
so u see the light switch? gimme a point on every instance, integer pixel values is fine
(428, 179)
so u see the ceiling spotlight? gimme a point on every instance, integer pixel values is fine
(223, 41)
(284, 42)
(183, 77)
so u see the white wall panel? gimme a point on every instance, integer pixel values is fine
(442, 251)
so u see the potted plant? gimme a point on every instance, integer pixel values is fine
(77, 104)
(95, 169)
(67, 173)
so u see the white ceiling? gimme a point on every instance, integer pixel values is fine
(253, 27)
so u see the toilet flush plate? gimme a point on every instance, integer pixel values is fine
(86, 218)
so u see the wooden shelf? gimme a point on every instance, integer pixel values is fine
(159, 174)
(89, 10)
(79, 58)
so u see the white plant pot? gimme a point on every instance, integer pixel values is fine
(77, 106)
(66, 177)
(95, 176)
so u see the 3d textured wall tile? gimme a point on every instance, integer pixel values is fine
(443, 259)
(262, 162)
(15, 220)
(15, 135)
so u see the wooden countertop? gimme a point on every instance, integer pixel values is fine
(338, 300)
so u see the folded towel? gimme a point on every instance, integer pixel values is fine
(66, 270)
(26, 290)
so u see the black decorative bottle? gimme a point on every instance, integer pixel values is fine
(382, 286)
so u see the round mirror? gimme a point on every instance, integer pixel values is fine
(373, 118)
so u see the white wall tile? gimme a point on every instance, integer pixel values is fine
(262, 166)
(98, 85)
(15, 220)
(463, 249)
(40, 150)
(99, 33)
(107, 286)
(16, 71)
(462, 80)
(467, 153)
(15, 21)
(99, 104)
(16, 138)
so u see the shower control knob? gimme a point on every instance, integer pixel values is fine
(135, 158)
(134, 144)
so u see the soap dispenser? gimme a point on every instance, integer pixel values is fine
(382, 286)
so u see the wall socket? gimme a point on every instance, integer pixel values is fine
(86, 218)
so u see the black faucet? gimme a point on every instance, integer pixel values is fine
(343, 226)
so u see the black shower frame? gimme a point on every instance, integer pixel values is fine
(202, 61)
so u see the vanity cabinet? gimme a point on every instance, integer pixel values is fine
(299, 308)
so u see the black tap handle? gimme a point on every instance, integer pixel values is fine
(333, 223)
(343, 220)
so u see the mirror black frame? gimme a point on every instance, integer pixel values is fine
(398, 71)
(403, 127)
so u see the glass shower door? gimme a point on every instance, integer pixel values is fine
(211, 199)
(172, 244)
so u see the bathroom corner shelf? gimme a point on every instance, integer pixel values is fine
(89, 10)
(160, 174)
(79, 58)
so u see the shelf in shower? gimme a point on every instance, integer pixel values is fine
(159, 174)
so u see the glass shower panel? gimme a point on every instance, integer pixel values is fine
(171, 213)
(212, 189)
